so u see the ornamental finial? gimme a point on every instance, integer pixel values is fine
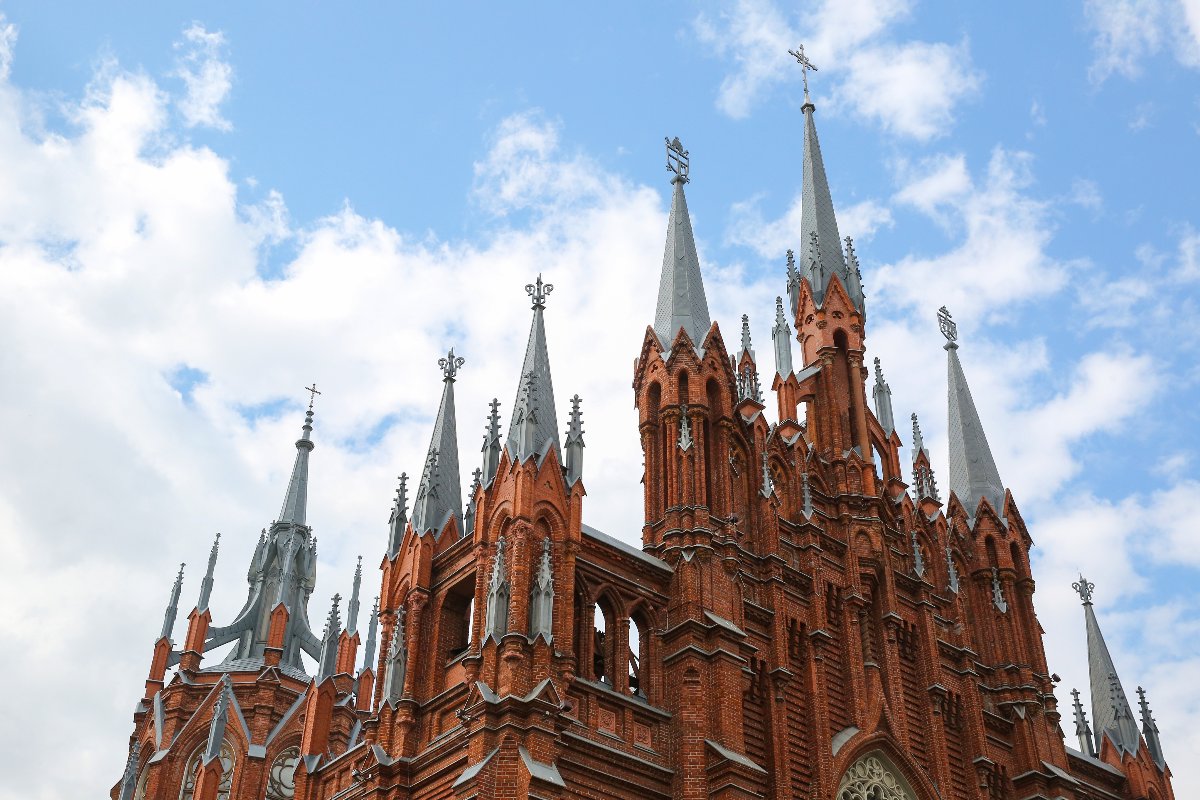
(312, 390)
(947, 324)
(539, 291)
(677, 160)
(805, 66)
(450, 365)
(1084, 587)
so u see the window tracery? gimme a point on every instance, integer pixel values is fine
(193, 771)
(871, 778)
(281, 780)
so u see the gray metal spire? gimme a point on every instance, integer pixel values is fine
(399, 517)
(924, 484)
(329, 642)
(396, 664)
(574, 447)
(439, 496)
(1150, 730)
(220, 717)
(747, 347)
(352, 608)
(973, 473)
(781, 335)
(534, 427)
(491, 444)
(172, 606)
(1083, 731)
(206, 585)
(883, 401)
(372, 636)
(1110, 708)
(681, 300)
(818, 225)
(295, 502)
(793, 281)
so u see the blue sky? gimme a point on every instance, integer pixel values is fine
(205, 208)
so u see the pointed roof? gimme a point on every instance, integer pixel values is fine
(1111, 714)
(781, 336)
(681, 300)
(973, 472)
(818, 224)
(439, 495)
(534, 424)
(295, 502)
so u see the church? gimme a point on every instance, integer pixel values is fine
(808, 615)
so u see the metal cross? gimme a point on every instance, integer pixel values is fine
(948, 326)
(539, 291)
(312, 390)
(805, 66)
(677, 160)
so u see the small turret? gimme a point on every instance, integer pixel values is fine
(1083, 731)
(491, 445)
(681, 300)
(746, 368)
(1150, 731)
(574, 446)
(534, 427)
(329, 641)
(439, 496)
(924, 483)
(496, 617)
(781, 337)
(1110, 708)
(352, 608)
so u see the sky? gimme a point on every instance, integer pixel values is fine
(206, 207)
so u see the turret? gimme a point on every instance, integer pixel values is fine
(1110, 709)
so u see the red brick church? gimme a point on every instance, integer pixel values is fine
(807, 617)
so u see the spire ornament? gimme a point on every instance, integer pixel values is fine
(1083, 587)
(399, 517)
(1083, 731)
(575, 445)
(539, 291)
(451, 363)
(496, 618)
(313, 392)
(541, 601)
(206, 585)
(998, 593)
(951, 571)
(678, 160)
(805, 66)
(948, 325)
(781, 337)
(883, 400)
(918, 556)
(1150, 730)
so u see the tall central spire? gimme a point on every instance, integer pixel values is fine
(534, 425)
(681, 300)
(821, 244)
(973, 473)
(295, 502)
(439, 496)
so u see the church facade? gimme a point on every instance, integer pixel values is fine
(808, 615)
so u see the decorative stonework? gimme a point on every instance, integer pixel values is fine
(281, 781)
(871, 778)
(193, 770)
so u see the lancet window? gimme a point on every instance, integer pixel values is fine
(281, 780)
(873, 777)
(192, 772)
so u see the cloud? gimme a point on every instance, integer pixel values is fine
(206, 75)
(8, 42)
(1127, 32)
(910, 88)
(772, 238)
(1002, 256)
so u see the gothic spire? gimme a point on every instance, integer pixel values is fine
(295, 502)
(818, 225)
(534, 427)
(924, 484)
(327, 663)
(574, 448)
(352, 608)
(681, 300)
(1150, 730)
(1111, 714)
(491, 444)
(883, 401)
(439, 496)
(973, 473)
(1083, 731)
(746, 368)
(399, 517)
(172, 606)
(781, 335)
(206, 585)
(372, 635)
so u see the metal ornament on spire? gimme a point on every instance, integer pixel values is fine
(450, 365)
(539, 291)
(313, 392)
(1084, 588)
(947, 324)
(678, 160)
(805, 66)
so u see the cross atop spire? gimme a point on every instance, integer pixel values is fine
(312, 390)
(805, 66)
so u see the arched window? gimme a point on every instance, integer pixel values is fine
(600, 645)
(192, 771)
(874, 777)
(639, 648)
(458, 618)
(281, 780)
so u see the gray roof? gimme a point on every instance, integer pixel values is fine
(781, 336)
(626, 548)
(439, 495)
(817, 217)
(534, 426)
(1111, 714)
(295, 502)
(681, 300)
(973, 472)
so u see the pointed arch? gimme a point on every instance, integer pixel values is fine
(873, 776)
(192, 770)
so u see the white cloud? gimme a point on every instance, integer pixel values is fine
(8, 42)
(1001, 258)
(1127, 32)
(206, 75)
(772, 238)
(907, 87)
